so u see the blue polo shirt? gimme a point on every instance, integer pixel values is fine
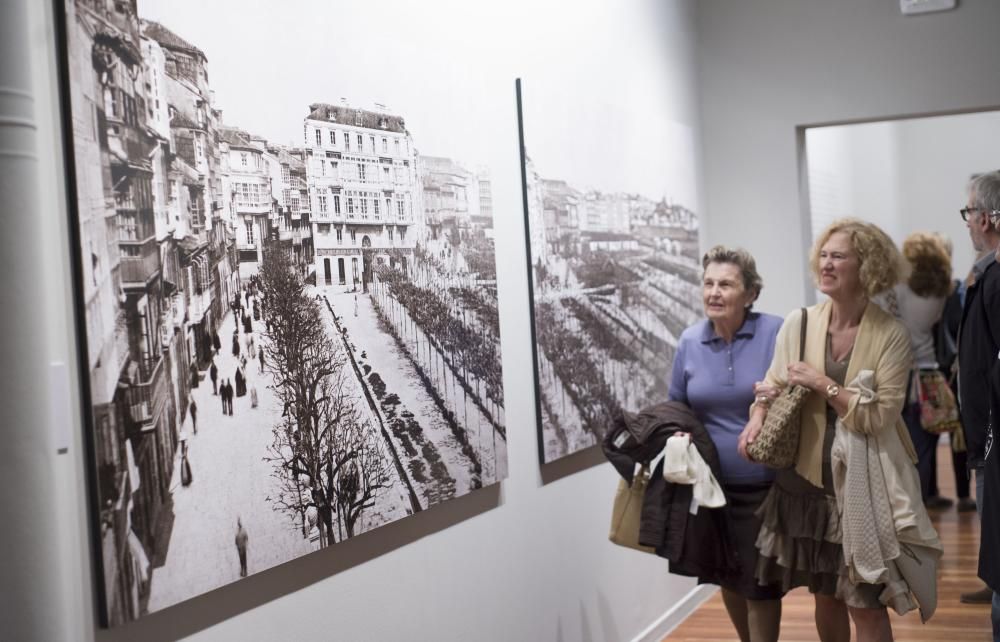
(716, 380)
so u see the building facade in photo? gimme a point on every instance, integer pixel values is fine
(363, 192)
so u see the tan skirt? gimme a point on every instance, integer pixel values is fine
(799, 542)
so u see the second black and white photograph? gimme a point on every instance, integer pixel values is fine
(612, 232)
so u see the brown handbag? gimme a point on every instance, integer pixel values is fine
(626, 513)
(777, 443)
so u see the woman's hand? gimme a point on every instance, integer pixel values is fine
(748, 435)
(801, 373)
(765, 393)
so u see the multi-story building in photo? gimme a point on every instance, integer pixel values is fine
(534, 196)
(451, 196)
(122, 290)
(292, 225)
(605, 212)
(206, 238)
(363, 190)
(484, 218)
(561, 215)
(247, 171)
(171, 224)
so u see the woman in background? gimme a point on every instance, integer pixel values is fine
(918, 303)
(946, 349)
(718, 361)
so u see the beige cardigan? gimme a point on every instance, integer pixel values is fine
(882, 346)
(882, 358)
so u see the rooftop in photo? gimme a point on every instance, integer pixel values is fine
(347, 115)
(169, 39)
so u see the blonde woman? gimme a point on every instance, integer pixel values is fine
(856, 363)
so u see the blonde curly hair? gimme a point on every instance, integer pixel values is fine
(881, 264)
(930, 265)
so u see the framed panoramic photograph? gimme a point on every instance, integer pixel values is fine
(285, 285)
(613, 255)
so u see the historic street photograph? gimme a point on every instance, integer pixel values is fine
(288, 268)
(615, 274)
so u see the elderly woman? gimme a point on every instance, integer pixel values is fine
(847, 520)
(717, 363)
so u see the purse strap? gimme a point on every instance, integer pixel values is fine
(802, 334)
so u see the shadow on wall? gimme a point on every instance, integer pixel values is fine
(207, 610)
(572, 464)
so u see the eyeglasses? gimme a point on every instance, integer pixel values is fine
(966, 211)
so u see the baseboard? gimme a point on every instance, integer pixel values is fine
(684, 607)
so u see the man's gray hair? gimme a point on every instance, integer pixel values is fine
(984, 189)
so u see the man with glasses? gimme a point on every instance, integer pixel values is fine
(979, 333)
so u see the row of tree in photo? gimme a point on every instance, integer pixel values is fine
(330, 462)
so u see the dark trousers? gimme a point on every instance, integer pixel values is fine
(925, 444)
(958, 465)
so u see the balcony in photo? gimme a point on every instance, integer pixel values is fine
(139, 263)
(146, 397)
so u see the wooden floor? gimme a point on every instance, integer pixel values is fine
(952, 622)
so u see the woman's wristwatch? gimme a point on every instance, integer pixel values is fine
(832, 391)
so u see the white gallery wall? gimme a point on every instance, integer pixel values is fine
(768, 67)
(527, 559)
(905, 175)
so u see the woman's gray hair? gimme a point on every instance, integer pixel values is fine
(984, 189)
(743, 260)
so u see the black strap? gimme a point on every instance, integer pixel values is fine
(802, 335)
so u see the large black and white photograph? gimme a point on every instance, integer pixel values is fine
(612, 235)
(287, 283)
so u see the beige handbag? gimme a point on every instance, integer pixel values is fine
(626, 513)
(777, 443)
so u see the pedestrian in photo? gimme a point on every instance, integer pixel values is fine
(193, 409)
(216, 341)
(236, 345)
(213, 372)
(241, 546)
(718, 360)
(355, 305)
(253, 396)
(194, 376)
(222, 397)
(241, 382)
(260, 356)
(229, 399)
(185, 464)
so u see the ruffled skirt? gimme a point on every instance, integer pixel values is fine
(799, 543)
